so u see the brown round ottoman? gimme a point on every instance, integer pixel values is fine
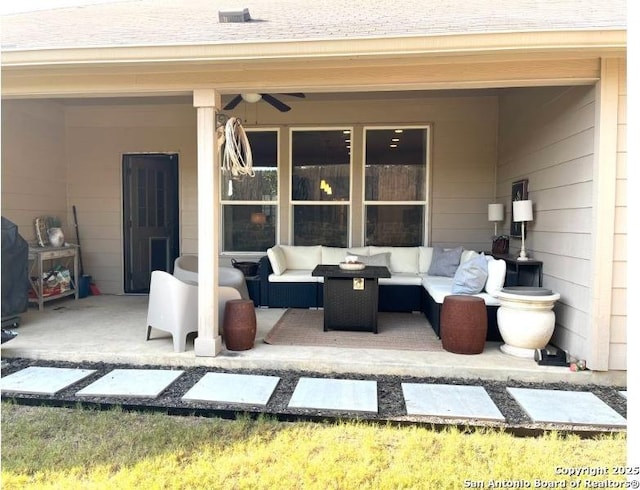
(463, 324)
(239, 325)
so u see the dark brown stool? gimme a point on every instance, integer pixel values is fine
(239, 325)
(463, 324)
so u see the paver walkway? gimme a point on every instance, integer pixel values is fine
(320, 394)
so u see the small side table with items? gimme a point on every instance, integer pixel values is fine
(522, 272)
(56, 281)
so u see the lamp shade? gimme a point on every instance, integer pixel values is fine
(522, 210)
(496, 212)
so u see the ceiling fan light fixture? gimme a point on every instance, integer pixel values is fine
(251, 97)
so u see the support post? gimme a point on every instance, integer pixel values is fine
(209, 342)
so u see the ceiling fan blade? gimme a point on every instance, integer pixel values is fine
(299, 95)
(281, 106)
(233, 102)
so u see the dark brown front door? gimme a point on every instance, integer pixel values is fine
(150, 190)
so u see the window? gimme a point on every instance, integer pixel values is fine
(249, 204)
(395, 186)
(321, 186)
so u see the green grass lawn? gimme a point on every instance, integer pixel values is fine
(84, 449)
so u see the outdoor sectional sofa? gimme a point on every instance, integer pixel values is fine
(286, 280)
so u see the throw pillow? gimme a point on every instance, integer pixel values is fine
(377, 259)
(277, 259)
(445, 262)
(471, 276)
(497, 274)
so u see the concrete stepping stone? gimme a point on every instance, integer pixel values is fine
(566, 407)
(467, 402)
(140, 383)
(335, 394)
(37, 380)
(233, 388)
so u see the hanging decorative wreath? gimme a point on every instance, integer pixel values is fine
(237, 158)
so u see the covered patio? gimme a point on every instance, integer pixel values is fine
(111, 329)
(495, 100)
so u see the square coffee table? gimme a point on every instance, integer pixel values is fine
(350, 297)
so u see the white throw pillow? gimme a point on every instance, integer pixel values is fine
(471, 276)
(497, 273)
(277, 259)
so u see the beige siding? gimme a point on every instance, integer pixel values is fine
(98, 135)
(34, 173)
(618, 345)
(97, 138)
(547, 135)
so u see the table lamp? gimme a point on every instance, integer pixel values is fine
(522, 212)
(496, 213)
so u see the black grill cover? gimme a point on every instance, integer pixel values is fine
(15, 270)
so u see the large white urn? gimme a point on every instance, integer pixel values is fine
(526, 319)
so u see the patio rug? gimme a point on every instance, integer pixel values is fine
(396, 331)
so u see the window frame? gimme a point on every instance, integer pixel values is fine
(348, 203)
(426, 203)
(275, 203)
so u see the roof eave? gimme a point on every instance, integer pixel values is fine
(478, 44)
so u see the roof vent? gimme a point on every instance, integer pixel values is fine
(234, 16)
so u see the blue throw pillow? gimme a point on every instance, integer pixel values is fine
(471, 276)
(445, 262)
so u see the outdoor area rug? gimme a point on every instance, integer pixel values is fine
(396, 331)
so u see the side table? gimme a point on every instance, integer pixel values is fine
(522, 272)
(350, 297)
(67, 255)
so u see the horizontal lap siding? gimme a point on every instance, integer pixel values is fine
(618, 341)
(33, 165)
(97, 137)
(90, 139)
(547, 136)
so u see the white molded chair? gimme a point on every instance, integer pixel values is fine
(173, 307)
(185, 268)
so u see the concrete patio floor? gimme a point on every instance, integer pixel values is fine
(112, 329)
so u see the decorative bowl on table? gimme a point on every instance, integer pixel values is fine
(351, 266)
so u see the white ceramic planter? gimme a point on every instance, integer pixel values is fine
(526, 322)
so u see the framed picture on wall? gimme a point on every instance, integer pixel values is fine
(519, 192)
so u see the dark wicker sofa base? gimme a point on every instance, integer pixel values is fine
(393, 298)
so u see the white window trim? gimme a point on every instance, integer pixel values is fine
(427, 196)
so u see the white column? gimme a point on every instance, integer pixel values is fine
(209, 341)
(604, 213)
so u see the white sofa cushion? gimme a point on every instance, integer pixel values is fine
(358, 251)
(471, 276)
(277, 259)
(291, 275)
(403, 259)
(439, 287)
(497, 272)
(401, 279)
(333, 255)
(425, 255)
(467, 255)
(302, 257)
